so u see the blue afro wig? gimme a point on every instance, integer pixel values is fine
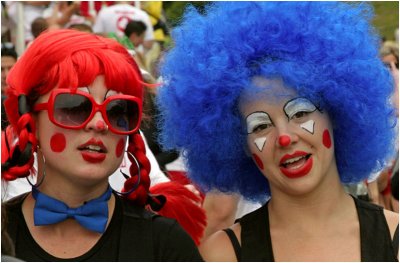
(326, 51)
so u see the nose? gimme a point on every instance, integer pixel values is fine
(284, 140)
(97, 123)
(285, 137)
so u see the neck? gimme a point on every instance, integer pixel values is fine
(71, 190)
(73, 196)
(327, 201)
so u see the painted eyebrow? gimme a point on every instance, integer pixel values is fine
(256, 118)
(298, 104)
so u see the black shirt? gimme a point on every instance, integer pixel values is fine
(133, 234)
(376, 242)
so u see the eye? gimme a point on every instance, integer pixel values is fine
(261, 127)
(257, 122)
(300, 114)
(299, 108)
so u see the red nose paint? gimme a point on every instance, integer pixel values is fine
(57, 142)
(284, 140)
(326, 139)
(100, 125)
(120, 148)
(258, 161)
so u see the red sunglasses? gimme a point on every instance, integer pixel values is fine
(73, 110)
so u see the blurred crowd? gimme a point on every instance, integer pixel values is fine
(140, 26)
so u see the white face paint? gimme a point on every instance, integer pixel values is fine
(258, 121)
(260, 142)
(297, 107)
(308, 126)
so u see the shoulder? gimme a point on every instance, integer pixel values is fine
(258, 214)
(167, 231)
(168, 239)
(218, 247)
(171, 241)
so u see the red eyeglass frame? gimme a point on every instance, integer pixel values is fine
(49, 106)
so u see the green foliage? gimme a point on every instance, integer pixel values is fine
(174, 10)
(387, 17)
(386, 20)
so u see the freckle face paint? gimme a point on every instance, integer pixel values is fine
(326, 139)
(57, 142)
(258, 161)
(120, 148)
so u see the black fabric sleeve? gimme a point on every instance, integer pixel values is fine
(173, 243)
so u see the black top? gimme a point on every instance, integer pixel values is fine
(376, 242)
(133, 234)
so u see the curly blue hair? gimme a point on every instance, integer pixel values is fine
(326, 51)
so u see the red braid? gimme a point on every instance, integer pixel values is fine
(137, 148)
(169, 199)
(18, 145)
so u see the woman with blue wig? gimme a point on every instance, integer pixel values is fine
(286, 101)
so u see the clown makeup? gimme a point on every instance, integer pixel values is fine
(308, 126)
(58, 142)
(257, 122)
(288, 136)
(119, 150)
(260, 142)
(299, 107)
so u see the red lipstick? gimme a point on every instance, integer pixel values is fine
(93, 151)
(299, 166)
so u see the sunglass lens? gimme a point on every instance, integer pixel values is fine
(71, 109)
(122, 114)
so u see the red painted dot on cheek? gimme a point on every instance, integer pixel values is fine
(120, 148)
(258, 161)
(326, 139)
(58, 142)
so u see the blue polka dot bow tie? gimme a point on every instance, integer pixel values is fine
(93, 215)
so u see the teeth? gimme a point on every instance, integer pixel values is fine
(289, 161)
(94, 148)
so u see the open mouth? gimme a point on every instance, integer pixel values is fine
(296, 162)
(92, 148)
(93, 151)
(296, 165)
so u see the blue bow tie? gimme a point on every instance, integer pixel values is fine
(93, 215)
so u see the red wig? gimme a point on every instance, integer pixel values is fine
(69, 59)
(65, 59)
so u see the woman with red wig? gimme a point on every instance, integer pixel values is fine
(75, 99)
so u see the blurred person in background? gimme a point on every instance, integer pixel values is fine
(8, 59)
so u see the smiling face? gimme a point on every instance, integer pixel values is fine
(288, 137)
(88, 155)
